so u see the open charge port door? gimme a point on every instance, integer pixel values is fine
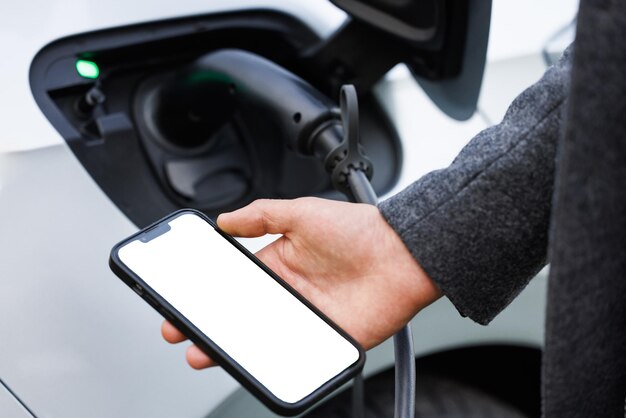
(147, 162)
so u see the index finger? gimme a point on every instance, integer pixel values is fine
(263, 216)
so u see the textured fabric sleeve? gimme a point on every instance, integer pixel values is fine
(479, 227)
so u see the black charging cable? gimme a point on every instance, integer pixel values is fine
(351, 172)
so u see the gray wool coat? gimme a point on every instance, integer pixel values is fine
(547, 184)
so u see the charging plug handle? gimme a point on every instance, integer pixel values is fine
(348, 156)
(259, 85)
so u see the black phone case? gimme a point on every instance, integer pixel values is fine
(212, 349)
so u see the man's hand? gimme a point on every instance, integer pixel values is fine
(342, 257)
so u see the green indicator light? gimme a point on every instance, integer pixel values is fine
(87, 69)
(200, 76)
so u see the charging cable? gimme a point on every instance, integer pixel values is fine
(351, 172)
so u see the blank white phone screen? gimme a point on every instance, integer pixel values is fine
(258, 323)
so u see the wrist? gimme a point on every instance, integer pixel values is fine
(414, 283)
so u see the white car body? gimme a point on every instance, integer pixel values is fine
(75, 342)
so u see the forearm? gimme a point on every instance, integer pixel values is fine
(479, 228)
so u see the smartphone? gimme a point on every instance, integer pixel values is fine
(250, 321)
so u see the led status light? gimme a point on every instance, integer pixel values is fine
(87, 69)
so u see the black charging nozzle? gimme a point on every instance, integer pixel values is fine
(204, 95)
(346, 161)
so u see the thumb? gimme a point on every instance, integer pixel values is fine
(259, 218)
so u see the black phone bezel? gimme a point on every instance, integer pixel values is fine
(213, 350)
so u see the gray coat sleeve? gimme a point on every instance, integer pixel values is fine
(479, 227)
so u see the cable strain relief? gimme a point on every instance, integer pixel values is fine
(306, 143)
